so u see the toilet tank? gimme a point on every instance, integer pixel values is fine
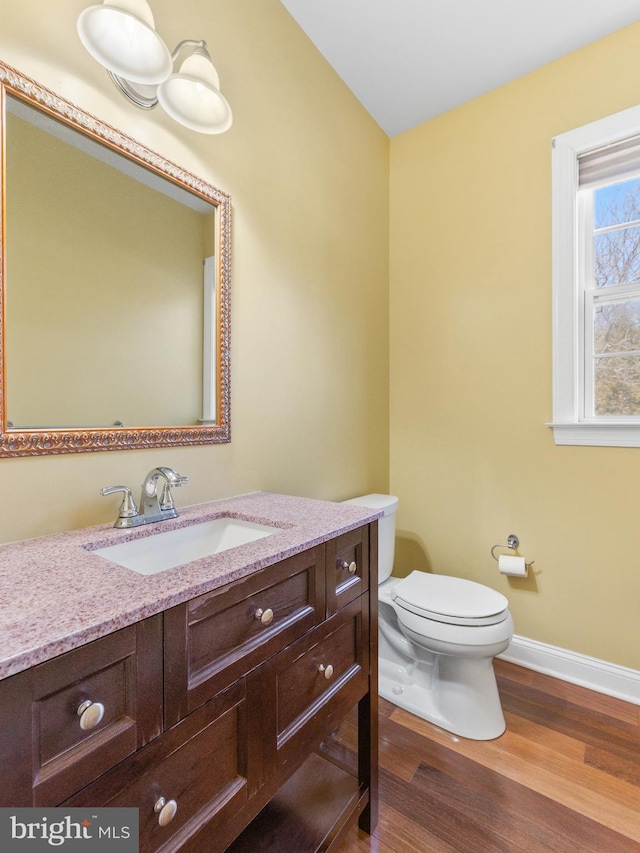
(386, 529)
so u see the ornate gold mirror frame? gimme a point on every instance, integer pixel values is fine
(46, 440)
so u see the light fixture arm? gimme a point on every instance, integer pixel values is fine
(145, 97)
(191, 43)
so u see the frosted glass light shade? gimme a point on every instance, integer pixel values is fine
(192, 96)
(121, 35)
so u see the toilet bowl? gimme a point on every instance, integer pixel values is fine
(438, 636)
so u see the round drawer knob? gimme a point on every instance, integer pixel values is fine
(90, 713)
(166, 810)
(326, 670)
(351, 567)
(265, 616)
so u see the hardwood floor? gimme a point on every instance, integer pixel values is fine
(564, 777)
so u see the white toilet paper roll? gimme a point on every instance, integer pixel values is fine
(512, 566)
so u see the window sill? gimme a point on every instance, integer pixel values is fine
(615, 434)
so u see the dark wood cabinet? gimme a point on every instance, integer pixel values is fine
(217, 637)
(348, 568)
(209, 718)
(312, 684)
(80, 714)
(200, 772)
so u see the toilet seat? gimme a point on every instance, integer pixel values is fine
(452, 600)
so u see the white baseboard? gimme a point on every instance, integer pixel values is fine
(599, 675)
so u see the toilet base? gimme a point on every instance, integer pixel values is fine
(451, 684)
(463, 699)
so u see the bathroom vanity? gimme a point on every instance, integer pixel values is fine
(208, 695)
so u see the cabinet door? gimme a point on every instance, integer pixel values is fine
(15, 741)
(118, 681)
(310, 686)
(347, 568)
(47, 749)
(196, 775)
(217, 637)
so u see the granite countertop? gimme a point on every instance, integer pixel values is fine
(55, 594)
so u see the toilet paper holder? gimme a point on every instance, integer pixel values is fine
(512, 543)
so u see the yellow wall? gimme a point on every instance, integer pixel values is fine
(307, 170)
(471, 458)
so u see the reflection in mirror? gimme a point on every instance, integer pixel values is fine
(115, 287)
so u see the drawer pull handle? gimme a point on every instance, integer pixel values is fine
(166, 810)
(327, 670)
(265, 616)
(90, 713)
(351, 567)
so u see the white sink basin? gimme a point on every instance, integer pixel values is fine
(161, 551)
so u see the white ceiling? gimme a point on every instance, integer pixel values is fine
(410, 60)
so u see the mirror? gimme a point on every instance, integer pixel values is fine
(115, 302)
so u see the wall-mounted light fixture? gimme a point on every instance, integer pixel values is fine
(121, 35)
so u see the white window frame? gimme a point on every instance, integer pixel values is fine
(570, 426)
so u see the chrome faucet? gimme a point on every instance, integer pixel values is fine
(153, 506)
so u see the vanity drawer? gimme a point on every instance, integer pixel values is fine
(347, 568)
(112, 675)
(312, 684)
(218, 637)
(203, 770)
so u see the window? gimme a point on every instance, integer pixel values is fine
(596, 283)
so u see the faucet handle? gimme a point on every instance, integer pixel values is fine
(128, 508)
(166, 498)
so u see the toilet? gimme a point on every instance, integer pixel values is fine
(438, 636)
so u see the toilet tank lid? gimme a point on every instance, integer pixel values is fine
(387, 503)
